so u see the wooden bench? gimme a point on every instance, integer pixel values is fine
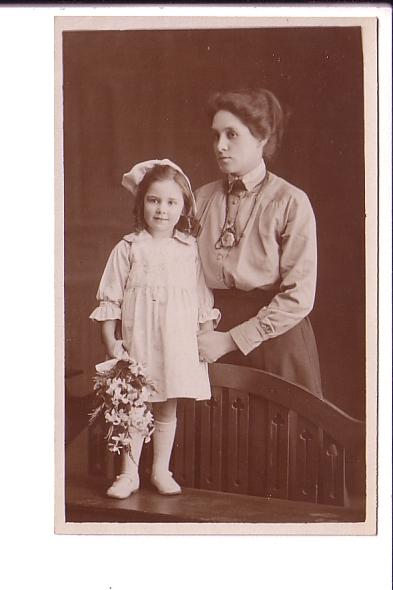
(261, 449)
(86, 502)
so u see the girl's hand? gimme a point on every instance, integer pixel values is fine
(116, 350)
(212, 345)
(206, 327)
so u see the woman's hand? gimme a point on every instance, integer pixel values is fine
(212, 345)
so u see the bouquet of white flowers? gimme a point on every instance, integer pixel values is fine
(124, 391)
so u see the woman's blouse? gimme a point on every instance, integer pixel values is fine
(277, 252)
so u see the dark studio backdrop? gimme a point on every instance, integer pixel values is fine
(136, 95)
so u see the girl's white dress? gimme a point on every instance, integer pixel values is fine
(157, 289)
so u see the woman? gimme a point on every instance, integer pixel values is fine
(258, 246)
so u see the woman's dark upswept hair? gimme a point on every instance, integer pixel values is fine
(258, 109)
(187, 222)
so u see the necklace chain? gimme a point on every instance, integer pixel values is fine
(229, 237)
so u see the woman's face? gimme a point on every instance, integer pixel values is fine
(235, 147)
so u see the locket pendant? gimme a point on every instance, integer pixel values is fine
(228, 239)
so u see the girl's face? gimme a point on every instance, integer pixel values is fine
(163, 205)
(235, 147)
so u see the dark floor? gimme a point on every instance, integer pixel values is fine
(86, 502)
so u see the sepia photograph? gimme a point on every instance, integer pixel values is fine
(196, 264)
(216, 276)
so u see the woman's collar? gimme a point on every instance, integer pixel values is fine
(252, 178)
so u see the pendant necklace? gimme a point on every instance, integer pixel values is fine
(229, 236)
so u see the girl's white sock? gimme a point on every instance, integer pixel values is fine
(131, 465)
(163, 438)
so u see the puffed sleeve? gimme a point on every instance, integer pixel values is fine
(111, 289)
(298, 272)
(206, 309)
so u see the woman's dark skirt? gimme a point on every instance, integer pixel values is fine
(292, 356)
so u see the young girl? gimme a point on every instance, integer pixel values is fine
(153, 283)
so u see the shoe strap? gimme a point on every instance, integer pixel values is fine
(125, 476)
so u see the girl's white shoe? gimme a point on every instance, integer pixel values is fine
(123, 486)
(165, 484)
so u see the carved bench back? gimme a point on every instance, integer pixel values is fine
(263, 436)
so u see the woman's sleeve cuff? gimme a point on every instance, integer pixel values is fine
(251, 334)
